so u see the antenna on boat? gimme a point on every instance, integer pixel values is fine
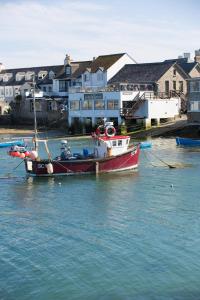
(35, 118)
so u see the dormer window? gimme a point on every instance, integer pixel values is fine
(42, 74)
(20, 76)
(51, 75)
(29, 75)
(6, 77)
(68, 70)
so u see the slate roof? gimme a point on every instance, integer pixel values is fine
(105, 61)
(187, 67)
(77, 69)
(141, 73)
(12, 81)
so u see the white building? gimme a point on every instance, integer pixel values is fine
(89, 108)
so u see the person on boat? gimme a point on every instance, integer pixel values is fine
(65, 151)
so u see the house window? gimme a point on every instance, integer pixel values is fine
(142, 87)
(112, 104)
(86, 77)
(44, 88)
(99, 104)
(38, 106)
(87, 104)
(174, 72)
(41, 75)
(99, 76)
(29, 75)
(63, 85)
(50, 89)
(74, 105)
(51, 75)
(195, 86)
(49, 105)
(68, 70)
(166, 87)
(181, 86)
(174, 85)
(20, 76)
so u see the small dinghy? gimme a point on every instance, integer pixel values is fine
(187, 142)
(145, 145)
(11, 143)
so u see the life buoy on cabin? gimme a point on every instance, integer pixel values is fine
(100, 130)
(110, 131)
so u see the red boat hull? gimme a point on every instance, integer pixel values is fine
(125, 161)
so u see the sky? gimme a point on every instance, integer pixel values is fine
(42, 32)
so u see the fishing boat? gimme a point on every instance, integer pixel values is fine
(111, 153)
(187, 142)
(11, 143)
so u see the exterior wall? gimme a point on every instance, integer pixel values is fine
(193, 112)
(163, 109)
(108, 74)
(124, 60)
(24, 113)
(93, 79)
(195, 73)
(169, 76)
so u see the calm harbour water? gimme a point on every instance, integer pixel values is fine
(117, 236)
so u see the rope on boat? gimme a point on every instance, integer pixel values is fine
(161, 160)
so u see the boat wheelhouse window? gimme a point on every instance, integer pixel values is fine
(99, 104)
(112, 104)
(126, 141)
(74, 105)
(114, 143)
(87, 104)
(120, 143)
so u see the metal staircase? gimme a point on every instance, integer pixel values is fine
(128, 112)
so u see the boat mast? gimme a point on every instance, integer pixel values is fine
(35, 119)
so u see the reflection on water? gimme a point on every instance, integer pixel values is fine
(129, 235)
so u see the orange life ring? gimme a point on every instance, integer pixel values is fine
(110, 131)
(100, 130)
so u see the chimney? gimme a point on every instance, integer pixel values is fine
(2, 67)
(187, 56)
(67, 60)
(197, 56)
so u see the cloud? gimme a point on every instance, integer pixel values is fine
(42, 32)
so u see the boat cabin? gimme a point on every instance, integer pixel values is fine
(110, 146)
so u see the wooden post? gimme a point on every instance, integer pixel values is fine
(97, 167)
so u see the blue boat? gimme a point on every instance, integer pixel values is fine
(12, 143)
(187, 142)
(145, 145)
